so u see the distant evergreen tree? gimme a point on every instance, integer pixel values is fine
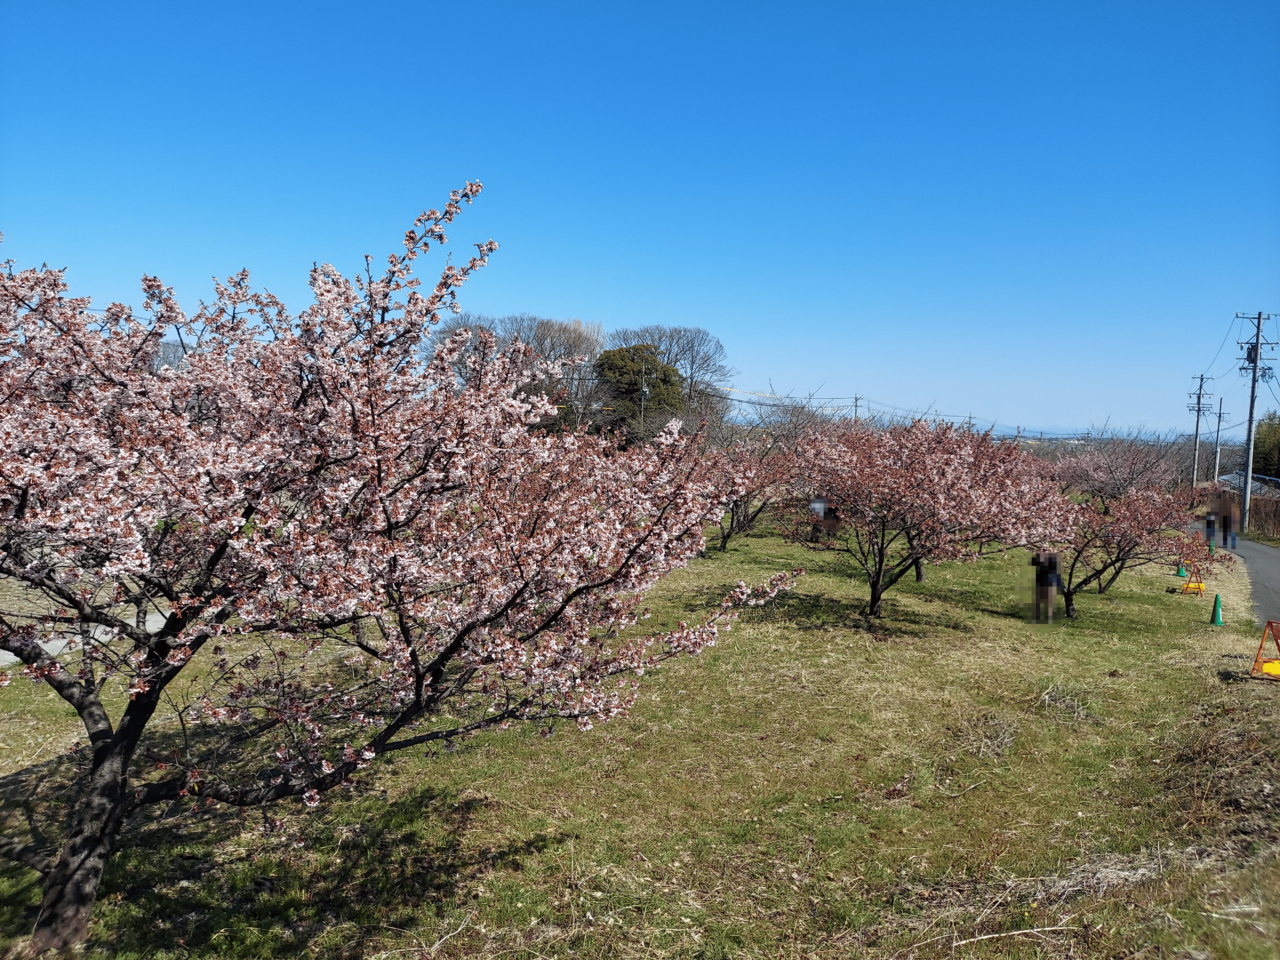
(630, 371)
(1266, 446)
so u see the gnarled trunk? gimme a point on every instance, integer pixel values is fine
(71, 887)
(1069, 601)
(919, 565)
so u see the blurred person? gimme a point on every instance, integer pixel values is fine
(1048, 582)
(1224, 512)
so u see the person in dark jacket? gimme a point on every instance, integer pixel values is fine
(1048, 582)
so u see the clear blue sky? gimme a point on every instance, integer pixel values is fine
(1043, 213)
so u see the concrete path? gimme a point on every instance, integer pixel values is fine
(55, 644)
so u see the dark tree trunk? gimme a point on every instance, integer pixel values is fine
(735, 526)
(71, 887)
(1069, 602)
(919, 565)
(876, 607)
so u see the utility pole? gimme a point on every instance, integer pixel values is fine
(1251, 358)
(1198, 409)
(1217, 443)
(644, 392)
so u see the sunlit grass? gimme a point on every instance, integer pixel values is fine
(817, 783)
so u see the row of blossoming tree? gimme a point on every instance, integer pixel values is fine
(897, 497)
(302, 542)
(309, 544)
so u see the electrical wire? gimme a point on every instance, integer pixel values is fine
(872, 405)
(1272, 391)
(1239, 321)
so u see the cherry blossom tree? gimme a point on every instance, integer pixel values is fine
(307, 546)
(1113, 465)
(1129, 514)
(759, 462)
(1141, 527)
(918, 493)
(758, 469)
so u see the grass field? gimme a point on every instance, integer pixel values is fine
(817, 785)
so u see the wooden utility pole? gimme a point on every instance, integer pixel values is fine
(644, 392)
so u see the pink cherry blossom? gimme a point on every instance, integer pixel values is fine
(1130, 514)
(341, 551)
(901, 497)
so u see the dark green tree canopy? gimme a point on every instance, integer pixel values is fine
(629, 372)
(1266, 446)
(696, 353)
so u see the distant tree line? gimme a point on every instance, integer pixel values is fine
(634, 379)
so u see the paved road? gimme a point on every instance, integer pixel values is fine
(1263, 563)
(53, 646)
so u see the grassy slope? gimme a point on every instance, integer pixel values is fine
(815, 785)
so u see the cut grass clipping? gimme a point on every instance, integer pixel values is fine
(949, 780)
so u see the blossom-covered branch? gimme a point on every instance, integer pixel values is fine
(337, 549)
(897, 498)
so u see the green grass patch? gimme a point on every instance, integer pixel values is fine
(817, 784)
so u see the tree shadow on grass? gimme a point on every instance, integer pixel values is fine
(211, 884)
(26, 797)
(802, 611)
(973, 599)
(945, 610)
(19, 889)
(812, 611)
(386, 864)
(798, 609)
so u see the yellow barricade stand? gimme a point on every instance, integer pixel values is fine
(1266, 667)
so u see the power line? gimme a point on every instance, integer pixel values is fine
(1273, 393)
(857, 400)
(995, 425)
(1222, 344)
